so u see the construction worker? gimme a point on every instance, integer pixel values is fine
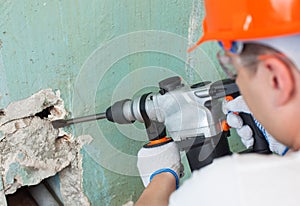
(260, 49)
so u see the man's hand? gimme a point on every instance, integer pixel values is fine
(159, 159)
(244, 131)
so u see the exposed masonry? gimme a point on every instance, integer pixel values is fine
(32, 150)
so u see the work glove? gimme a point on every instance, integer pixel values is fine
(159, 159)
(230, 108)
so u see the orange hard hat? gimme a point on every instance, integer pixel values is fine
(237, 20)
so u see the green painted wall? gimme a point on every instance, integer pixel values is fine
(96, 52)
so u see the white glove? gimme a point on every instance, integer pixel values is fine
(244, 131)
(156, 160)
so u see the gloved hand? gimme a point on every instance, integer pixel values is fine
(159, 159)
(244, 131)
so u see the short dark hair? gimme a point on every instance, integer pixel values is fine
(251, 52)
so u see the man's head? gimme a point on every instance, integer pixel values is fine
(260, 41)
(270, 84)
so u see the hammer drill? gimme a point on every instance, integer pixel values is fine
(191, 115)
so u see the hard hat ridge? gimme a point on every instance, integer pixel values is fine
(228, 21)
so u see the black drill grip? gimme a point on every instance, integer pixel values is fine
(260, 145)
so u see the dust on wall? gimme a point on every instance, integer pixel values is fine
(32, 150)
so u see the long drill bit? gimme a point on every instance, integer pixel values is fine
(67, 122)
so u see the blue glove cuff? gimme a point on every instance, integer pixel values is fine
(285, 151)
(166, 170)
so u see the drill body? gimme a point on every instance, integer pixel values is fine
(191, 115)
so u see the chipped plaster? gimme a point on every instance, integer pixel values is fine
(32, 150)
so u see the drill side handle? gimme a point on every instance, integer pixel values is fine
(260, 145)
(228, 87)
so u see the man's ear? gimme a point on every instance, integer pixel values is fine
(280, 80)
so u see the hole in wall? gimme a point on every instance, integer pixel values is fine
(2, 113)
(36, 195)
(55, 155)
(21, 197)
(44, 113)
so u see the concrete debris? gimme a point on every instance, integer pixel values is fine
(33, 105)
(71, 178)
(31, 153)
(32, 150)
(2, 199)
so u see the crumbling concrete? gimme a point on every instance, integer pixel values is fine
(32, 150)
(2, 199)
(71, 177)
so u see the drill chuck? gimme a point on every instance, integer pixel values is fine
(120, 112)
